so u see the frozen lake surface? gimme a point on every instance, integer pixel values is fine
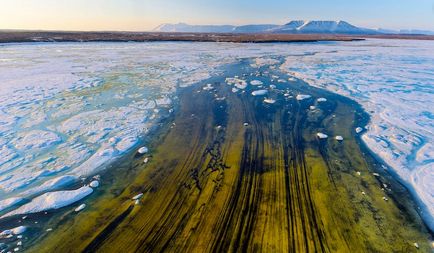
(67, 110)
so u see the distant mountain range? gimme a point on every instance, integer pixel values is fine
(293, 27)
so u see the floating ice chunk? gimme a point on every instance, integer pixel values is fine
(269, 101)
(138, 196)
(359, 130)
(312, 107)
(52, 200)
(11, 232)
(10, 202)
(94, 184)
(256, 82)
(143, 150)
(238, 83)
(322, 136)
(19, 230)
(339, 138)
(302, 97)
(208, 87)
(322, 100)
(259, 92)
(80, 208)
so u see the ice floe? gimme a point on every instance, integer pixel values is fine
(143, 150)
(322, 135)
(259, 92)
(256, 82)
(80, 208)
(302, 97)
(269, 101)
(52, 200)
(138, 196)
(94, 184)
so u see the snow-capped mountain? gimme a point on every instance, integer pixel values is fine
(297, 26)
(292, 27)
(338, 27)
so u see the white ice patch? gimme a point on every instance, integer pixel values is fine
(52, 200)
(259, 92)
(302, 97)
(35, 139)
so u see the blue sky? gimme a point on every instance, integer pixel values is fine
(146, 14)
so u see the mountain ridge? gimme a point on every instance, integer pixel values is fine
(292, 27)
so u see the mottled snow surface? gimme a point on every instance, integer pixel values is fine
(67, 110)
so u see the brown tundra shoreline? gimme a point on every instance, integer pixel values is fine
(14, 36)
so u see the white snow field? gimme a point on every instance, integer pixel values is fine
(67, 110)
